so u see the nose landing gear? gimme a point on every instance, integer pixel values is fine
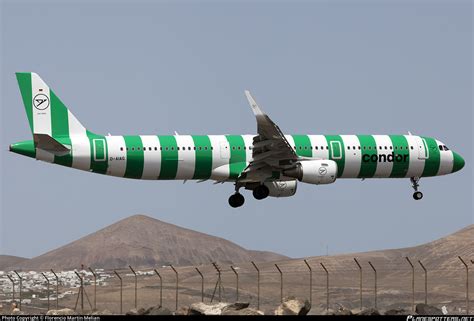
(417, 195)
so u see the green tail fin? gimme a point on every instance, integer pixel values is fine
(45, 111)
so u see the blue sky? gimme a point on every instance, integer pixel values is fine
(320, 67)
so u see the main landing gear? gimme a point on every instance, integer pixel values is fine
(417, 195)
(259, 192)
(236, 200)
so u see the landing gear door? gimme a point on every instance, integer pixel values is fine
(225, 150)
(423, 152)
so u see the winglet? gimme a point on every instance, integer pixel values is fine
(256, 110)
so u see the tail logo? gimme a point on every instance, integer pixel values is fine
(41, 101)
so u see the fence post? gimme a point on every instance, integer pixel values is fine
(161, 287)
(426, 281)
(218, 283)
(281, 283)
(13, 286)
(237, 283)
(258, 284)
(360, 282)
(327, 286)
(80, 293)
(135, 274)
(57, 289)
(375, 289)
(177, 284)
(202, 284)
(412, 282)
(47, 286)
(95, 288)
(467, 285)
(310, 282)
(121, 290)
(21, 286)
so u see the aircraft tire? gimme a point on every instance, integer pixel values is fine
(236, 200)
(418, 195)
(260, 192)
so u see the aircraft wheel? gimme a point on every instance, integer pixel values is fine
(236, 200)
(261, 192)
(418, 195)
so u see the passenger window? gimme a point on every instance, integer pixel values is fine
(390, 147)
(410, 147)
(156, 148)
(127, 148)
(189, 148)
(358, 147)
(250, 147)
(166, 148)
(385, 147)
(348, 147)
(121, 148)
(133, 148)
(440, 147)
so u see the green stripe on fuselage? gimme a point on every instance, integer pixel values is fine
(400, 164)
(369, 148)
(432, 163)
(303, 145)
(169, 157)
(203, 165)
(97, 166)
(237, 162)
(65, 160)
(339, 161)
(135, 157)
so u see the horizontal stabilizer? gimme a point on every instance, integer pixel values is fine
(51, 145)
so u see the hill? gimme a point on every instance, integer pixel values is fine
(142, 241)
(440, 254)
(10, 260)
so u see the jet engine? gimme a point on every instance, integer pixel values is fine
(314, 171)
(281, 188)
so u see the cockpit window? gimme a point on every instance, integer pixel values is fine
(443, 148)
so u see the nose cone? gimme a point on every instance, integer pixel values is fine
(458, 162)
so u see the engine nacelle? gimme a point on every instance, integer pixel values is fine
(281, 188)
(314, 171)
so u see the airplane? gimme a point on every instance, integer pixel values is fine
(269, 163)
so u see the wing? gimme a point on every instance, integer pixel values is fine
(271, 150)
